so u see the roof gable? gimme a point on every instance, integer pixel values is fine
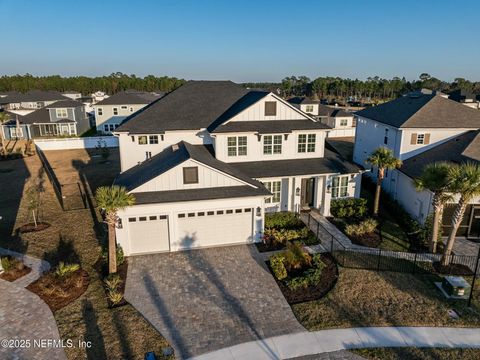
(423, 111)
(160, 164)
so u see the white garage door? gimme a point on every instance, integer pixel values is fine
(148, 234)
(214, 227)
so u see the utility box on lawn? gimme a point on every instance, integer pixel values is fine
(456, 286)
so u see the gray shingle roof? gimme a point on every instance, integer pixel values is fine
(302, 100)
(270, 126)
(423, 111)
(462, 148)
(330, 163)
(130, 97)
(324, 110)
(153, 197)
(65, 104)
(32, 96)
(39, 116)
(169, 158)
(194, 105)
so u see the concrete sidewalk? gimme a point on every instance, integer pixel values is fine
(308, 343)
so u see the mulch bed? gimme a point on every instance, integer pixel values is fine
(452, 269)
(102, 268)
(30, 227)
(19, 270)
(59, 293)
(262, 247)
(372, 240)
(327, 282)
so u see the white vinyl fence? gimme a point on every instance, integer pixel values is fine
(76, 143)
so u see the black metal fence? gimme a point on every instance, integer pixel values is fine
(71, 196)
(358, 257)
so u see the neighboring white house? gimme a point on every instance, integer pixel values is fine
(411, 126)
(72, 94)
(341, 121)
(466, 98)
(209, 159)
(110, 112)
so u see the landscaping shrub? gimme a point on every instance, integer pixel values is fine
(310, 277)
(115, 297)
(274, 236)
(345, 208)
(282, 220)
(278, 268)
(7, 264)
(296, 257)
(120, 255)
(112, 282)
(366, 226)
(63, 270)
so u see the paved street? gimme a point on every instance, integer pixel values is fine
(204, 300)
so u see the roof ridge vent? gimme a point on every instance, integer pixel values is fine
(175, 147)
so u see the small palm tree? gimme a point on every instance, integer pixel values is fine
(465, 181)
(383, 159)
(434, 177)
(111, 199)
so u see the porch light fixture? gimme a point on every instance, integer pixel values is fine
(259, 137)
(259, 211)
(297, 191)
(286, 137)
(119, 223)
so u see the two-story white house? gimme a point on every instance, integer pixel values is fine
(341, 121)
(411, 126)
(25, 103)
(207, 161)
(111, 111)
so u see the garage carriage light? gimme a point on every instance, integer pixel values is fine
(259, 211)
(119, 223)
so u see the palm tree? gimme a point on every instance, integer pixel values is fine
(383, 159)
(111, 199)
(434, 177)
(465, 181)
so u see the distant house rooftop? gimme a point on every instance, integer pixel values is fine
(131, 97)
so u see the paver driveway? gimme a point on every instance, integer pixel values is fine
(204, 300)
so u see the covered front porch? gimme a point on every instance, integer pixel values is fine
(302, 193)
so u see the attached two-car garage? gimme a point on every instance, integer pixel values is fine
(151, 233)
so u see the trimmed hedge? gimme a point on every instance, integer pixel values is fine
(346, 208)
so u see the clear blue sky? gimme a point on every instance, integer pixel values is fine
(242, 40)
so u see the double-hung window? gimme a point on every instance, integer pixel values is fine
(115, 111)
(339, 186)
(237, 146)
(306, 143)
(309, 108)
(420, 139)
(142, 140)
(275, 187)
(153, 139)
(272, 144)
(62, 113)
(100, 111)
(343, 122)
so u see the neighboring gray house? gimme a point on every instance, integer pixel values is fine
(29, 101)
(61, 118)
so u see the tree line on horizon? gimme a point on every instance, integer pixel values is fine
(110, 84)
(373, 89)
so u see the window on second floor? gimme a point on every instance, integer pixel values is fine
(153, 139)
(343, 122)
(306, 143)
(61, 113)
(237, 146)
(190, 175)
(115, 111)
(142, 140)
(270, 108)
(309, 108)
(275, 187)
(385, 139)
(272, 144)
(339, 186)
(420, 139)
(100, 111)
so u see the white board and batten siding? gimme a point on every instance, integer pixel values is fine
(187, 225)
(173, 179)
(76, 143)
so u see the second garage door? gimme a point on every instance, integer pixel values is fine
(148, 234)
(214, 227)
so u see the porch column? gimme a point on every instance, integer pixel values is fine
(319, 188)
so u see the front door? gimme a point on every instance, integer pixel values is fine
(307, 192)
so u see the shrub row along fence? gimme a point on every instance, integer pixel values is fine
(70, 196)
(359, 257)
